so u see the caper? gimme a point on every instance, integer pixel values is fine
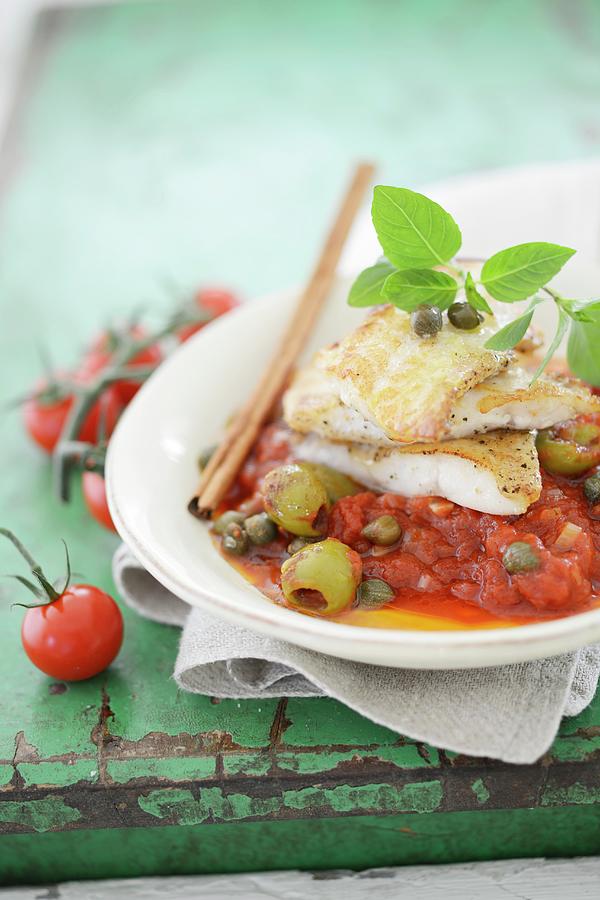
(426, 320)
(261, 529)
(335, 483)
(374, 593)
(298, 543)
(383, 531)
(322, 578)
(205, 455)
(464, 316)
(235, 539)
(591, 489)
(231, 515)
(520, 557)
(296, 499)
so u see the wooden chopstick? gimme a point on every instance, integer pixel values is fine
(228, 458)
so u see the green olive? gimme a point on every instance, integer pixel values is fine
(464, 316)
(322, 578)
(383, 531)
(205, 455)
(296, 499)
(591, 489)
(520, 557)
(231, 515)
(335, 483)
(261, 529)
(235, 539)
(298, 543)
(426, 320)
(374, 593)
(569, 448)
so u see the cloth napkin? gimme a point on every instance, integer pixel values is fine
(510, 713)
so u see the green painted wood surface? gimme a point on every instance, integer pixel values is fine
(198, 142)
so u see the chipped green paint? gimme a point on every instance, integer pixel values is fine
(6, 773)
(576, 747)
(181, 806)
(38, 815)
(59, 774)
(577, 793)
(418, 797)
(480, 791)
(404, 756)
(256, 764)
(172, 768)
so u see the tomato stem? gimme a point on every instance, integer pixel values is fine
(36, 569)
(86, 396)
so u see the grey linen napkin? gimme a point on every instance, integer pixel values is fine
(510, 713)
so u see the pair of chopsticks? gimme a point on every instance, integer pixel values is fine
(229, 456)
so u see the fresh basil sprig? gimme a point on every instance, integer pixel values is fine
(419, 239)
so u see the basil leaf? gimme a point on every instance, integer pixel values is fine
(561, 330)
(582, 310)
(366, 290)
(412, 287)
(476, 300)
(414, 231)
(518, 272)
(583, 351)
(512, 333)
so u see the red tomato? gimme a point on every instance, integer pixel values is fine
(45, 416)
(44, 420)
(94, 494)
(215, 301)
(76, 636)
(102, 349)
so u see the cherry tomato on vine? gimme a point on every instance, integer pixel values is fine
(45, 413)
(216, 302)
(76, 636)
(94, 494)
(102, 350)
(71, 634)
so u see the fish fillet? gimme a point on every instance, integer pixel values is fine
(497, 473)
(405, 384)
(506, 400)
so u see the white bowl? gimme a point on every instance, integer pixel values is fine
(151, 475)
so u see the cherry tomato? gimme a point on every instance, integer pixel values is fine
(76, 636)
(215, 301)
(44, 419)
(570, 448)
(45, 414)
(94, 494)
(102, 350)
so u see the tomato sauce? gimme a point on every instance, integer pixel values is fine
(447, 570)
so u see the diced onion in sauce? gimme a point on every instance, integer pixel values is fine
(441, 508)
(568, 536)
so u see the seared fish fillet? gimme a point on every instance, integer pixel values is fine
(313, 403)
(496, 473)
(405, 384)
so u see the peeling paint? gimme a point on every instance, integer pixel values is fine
(480, 791)
(38, 815)
(578, 794)
(179, 806)
(182, 808)
(418, 797)
(24, 751)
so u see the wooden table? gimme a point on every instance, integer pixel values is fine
(203, 142)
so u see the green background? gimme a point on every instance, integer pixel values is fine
(184, 143)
